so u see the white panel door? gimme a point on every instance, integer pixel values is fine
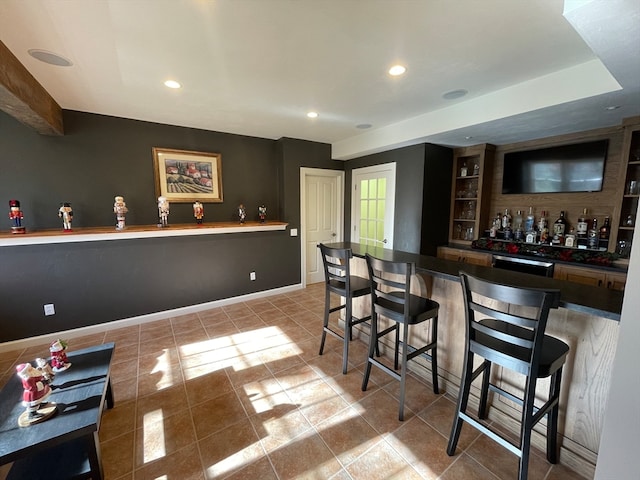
(321, 216)
(373, 205)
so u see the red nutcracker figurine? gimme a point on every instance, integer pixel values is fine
(58, 356)
(36, 390)
(16, 216)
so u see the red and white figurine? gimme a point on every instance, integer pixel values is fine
(59, 361)
(36, 389)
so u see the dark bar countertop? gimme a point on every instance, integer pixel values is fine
(598, 301)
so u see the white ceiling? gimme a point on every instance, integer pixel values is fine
(255, 67)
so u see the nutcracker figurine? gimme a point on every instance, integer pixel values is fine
(198, 212)
(262, 213)
(242, 213)
(59, 360)
(163, 211)
(16, 216)
(120, 209)
(35, 392)
(66, 213)
(45, 370)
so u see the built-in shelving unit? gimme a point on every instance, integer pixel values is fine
(472, 168)
(99, 234)
(629, 173)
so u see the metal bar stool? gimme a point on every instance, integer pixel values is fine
(512, 337)
(338, 280)
(391, 298)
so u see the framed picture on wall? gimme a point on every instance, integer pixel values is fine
(186, 176)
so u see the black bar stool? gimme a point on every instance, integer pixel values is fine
(338, 280)
(515, 341)
(391, 298)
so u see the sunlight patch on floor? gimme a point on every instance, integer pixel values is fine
(153, 432)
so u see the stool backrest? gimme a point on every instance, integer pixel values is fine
(390, 287)
(337, 272)
(499, 329)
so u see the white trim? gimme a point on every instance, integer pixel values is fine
(100, 234)
(304, 172)
(46, 339)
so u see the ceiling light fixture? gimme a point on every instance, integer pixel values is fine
(363, 126)
(453, 94)
(613, 107)
(172, 84)
(397, 70)
(312, 114)
(50, 58)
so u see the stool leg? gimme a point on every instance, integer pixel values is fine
(552, 419)
(434, 354)
(395, 363)
(346, 338)
(373, 340)
(403, 369)
(484, 389)
(463, 399)
(325, 324)
(527, 427)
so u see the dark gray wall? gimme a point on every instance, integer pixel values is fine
(99, 157)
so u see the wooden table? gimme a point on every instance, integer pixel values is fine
(66, 445)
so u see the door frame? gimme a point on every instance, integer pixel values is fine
(318, 172)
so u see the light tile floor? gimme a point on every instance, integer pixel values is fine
(240, 392)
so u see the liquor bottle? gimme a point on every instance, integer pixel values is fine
(570, 238)
(506, 219)
(476, 169)
(529, 221)
(518, 233)
(583, 225)
(543, 231)
(495, 226)
(559, 228)
(593, 234)
(463, 169)
(605, 232)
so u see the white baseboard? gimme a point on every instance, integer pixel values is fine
(151, 317)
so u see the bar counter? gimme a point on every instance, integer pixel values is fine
(583, 321)
(597, 301)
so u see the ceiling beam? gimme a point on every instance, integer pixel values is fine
(22, 97)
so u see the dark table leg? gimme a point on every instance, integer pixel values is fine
(109, 395)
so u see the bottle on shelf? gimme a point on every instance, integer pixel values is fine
(543, 230)
(559, 229)
(570, 238)
(463, 169)
(593, 234)
(495, 226)
(476, 169)
(518, 232)
(605, 233)
(629, 222)
(583, 224)
(506, 219)
(529, 222)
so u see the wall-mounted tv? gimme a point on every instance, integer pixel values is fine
(566, 168)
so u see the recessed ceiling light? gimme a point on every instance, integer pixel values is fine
(312, 114)
(453, 94)
(50, 58)
(468, 138)
(397, 70)
(613, 107)
(363, 126)
(172, 84)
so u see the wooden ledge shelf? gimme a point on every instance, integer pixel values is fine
(100, 234)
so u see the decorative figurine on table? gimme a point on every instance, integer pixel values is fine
(45, 370)
(120, 209)
(163, 211)
(36, 391)
(198, 212)
(59, 360)
(66, 213)
(16, 216)
(262, 213)
(242, 213)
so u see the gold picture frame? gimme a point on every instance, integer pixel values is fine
(187, 176)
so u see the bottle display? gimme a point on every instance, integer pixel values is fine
(559, 229)
(583, 224)
(593, 234)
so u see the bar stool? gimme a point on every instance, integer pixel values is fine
(391, 298)
(516, 341)
(338, 280)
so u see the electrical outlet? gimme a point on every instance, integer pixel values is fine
(252, 276)
(49, 309)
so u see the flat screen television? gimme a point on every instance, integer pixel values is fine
(568, 168)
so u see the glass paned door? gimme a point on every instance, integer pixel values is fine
(373, 203)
